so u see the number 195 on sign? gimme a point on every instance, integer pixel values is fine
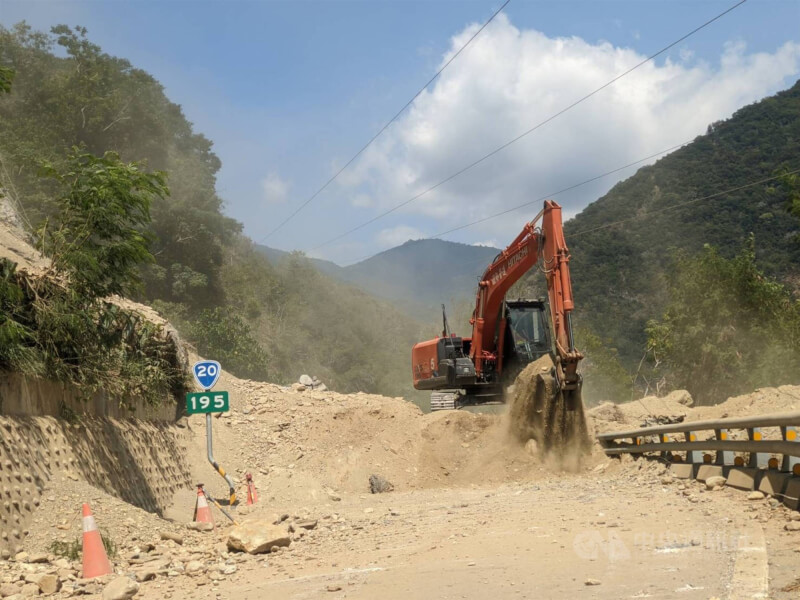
(207, 402)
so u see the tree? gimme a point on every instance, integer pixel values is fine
(97, 237)
(727, 328)
(604, 377)
(6, 78)
(227, 338)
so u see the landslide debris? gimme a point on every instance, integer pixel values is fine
(553, 418)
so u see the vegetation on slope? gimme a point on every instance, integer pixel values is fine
(262, 321)
(59, 325)
(620, 271)
(726, 328)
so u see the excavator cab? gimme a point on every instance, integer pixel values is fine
(528, 335)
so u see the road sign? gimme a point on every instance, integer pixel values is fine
(207, 402)
(206, 373)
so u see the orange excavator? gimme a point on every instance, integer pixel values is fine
(507, 335)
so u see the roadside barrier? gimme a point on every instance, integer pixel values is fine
(767, 459)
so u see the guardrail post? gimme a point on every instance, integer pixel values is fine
(759, 460)
(693, 456)
(790, 464)
(663, 438)
(724, 457)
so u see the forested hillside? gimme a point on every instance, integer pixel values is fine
(260, 320)
(417, 276)
(619, 270)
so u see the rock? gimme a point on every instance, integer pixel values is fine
(200, 526)
(28, 590)
(48, 583)
(8, 589)
(666, 480)
(121, 588)
(379, 485)
(299, 387)
(715, 481)
(321, 387)
(168, 535)
(795, 516)
(306, 524)
(21, 557)
(755, 495)
(591, 581)
(333, 496)
(681, 397)
(257, 537)
(792, 526)
(194, 566)
(334, 587)
(532, 447)
(306, 380)
(38, 557)
(146, 575)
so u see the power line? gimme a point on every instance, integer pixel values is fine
(668, 208)
(389, 122)
(561, 191)
(529, 131)
(546, 196)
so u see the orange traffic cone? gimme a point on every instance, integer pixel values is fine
(95, 559)
(202, 511)
(252, 497)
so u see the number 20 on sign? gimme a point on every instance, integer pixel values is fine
(207, 402)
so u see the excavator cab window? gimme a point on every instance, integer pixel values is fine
(528, 331)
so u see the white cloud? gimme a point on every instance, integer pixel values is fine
(361, 200)
(395, 236)
(488, 244)
(511, 80)
(274, 189)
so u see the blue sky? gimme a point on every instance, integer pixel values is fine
(288, 91)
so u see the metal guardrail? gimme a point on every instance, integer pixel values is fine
(660, 438)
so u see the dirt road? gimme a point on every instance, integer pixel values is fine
(563, 537)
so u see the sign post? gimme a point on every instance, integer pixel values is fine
(206, 374)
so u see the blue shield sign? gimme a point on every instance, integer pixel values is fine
(206, 373)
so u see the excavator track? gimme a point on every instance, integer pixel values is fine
(444, 400)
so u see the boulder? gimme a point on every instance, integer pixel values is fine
(299, 387)
(715, 481)
(8, 589)
(168, 535)
(49, 583)
(257, 537)
(379, 485)
(681, 397)
(306, 380)
(121, 588)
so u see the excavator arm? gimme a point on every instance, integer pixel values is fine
(546, 247)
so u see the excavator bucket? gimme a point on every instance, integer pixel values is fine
(539, 410)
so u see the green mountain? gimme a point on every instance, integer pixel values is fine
(622, 242)
(417, 276)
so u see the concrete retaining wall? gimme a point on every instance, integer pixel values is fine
(140, 458)
(25, 396)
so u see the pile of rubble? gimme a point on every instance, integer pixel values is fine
(309, 383)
